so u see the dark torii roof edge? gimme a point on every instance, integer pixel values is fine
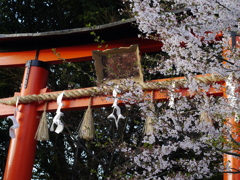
(70, 37)
(67, 37)
(67, 31)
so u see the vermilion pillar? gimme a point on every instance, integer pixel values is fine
(234, 161)
(22, 149)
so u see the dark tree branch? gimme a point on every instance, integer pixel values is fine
(232, 172)
(222, 5)
(233, 140)
(229, 153)
(219, 57)
(79, 145)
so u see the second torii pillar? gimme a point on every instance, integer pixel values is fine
(22, 149)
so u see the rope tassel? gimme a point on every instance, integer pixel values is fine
(42, 133)
(205, 117)
(148, 126)
(87, 129)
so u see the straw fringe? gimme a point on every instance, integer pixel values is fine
(148, 126)
(87, 129)
(205, 117)
(42, 133)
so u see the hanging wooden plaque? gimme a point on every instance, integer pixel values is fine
(118, 63)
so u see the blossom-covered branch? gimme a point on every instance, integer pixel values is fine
(190, 136)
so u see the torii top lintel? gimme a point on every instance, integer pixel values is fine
(73, 44)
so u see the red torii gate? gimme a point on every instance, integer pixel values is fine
(22, 148)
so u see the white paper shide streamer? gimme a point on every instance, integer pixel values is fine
(116, 108)
(56, 119)
(15, 125)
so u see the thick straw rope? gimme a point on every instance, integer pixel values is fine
(71, 94)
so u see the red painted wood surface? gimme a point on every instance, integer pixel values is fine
(74, 53)
(22, 149)
(235, 162)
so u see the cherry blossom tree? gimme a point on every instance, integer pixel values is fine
(190, 135)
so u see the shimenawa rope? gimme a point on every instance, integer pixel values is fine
(93, 91)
